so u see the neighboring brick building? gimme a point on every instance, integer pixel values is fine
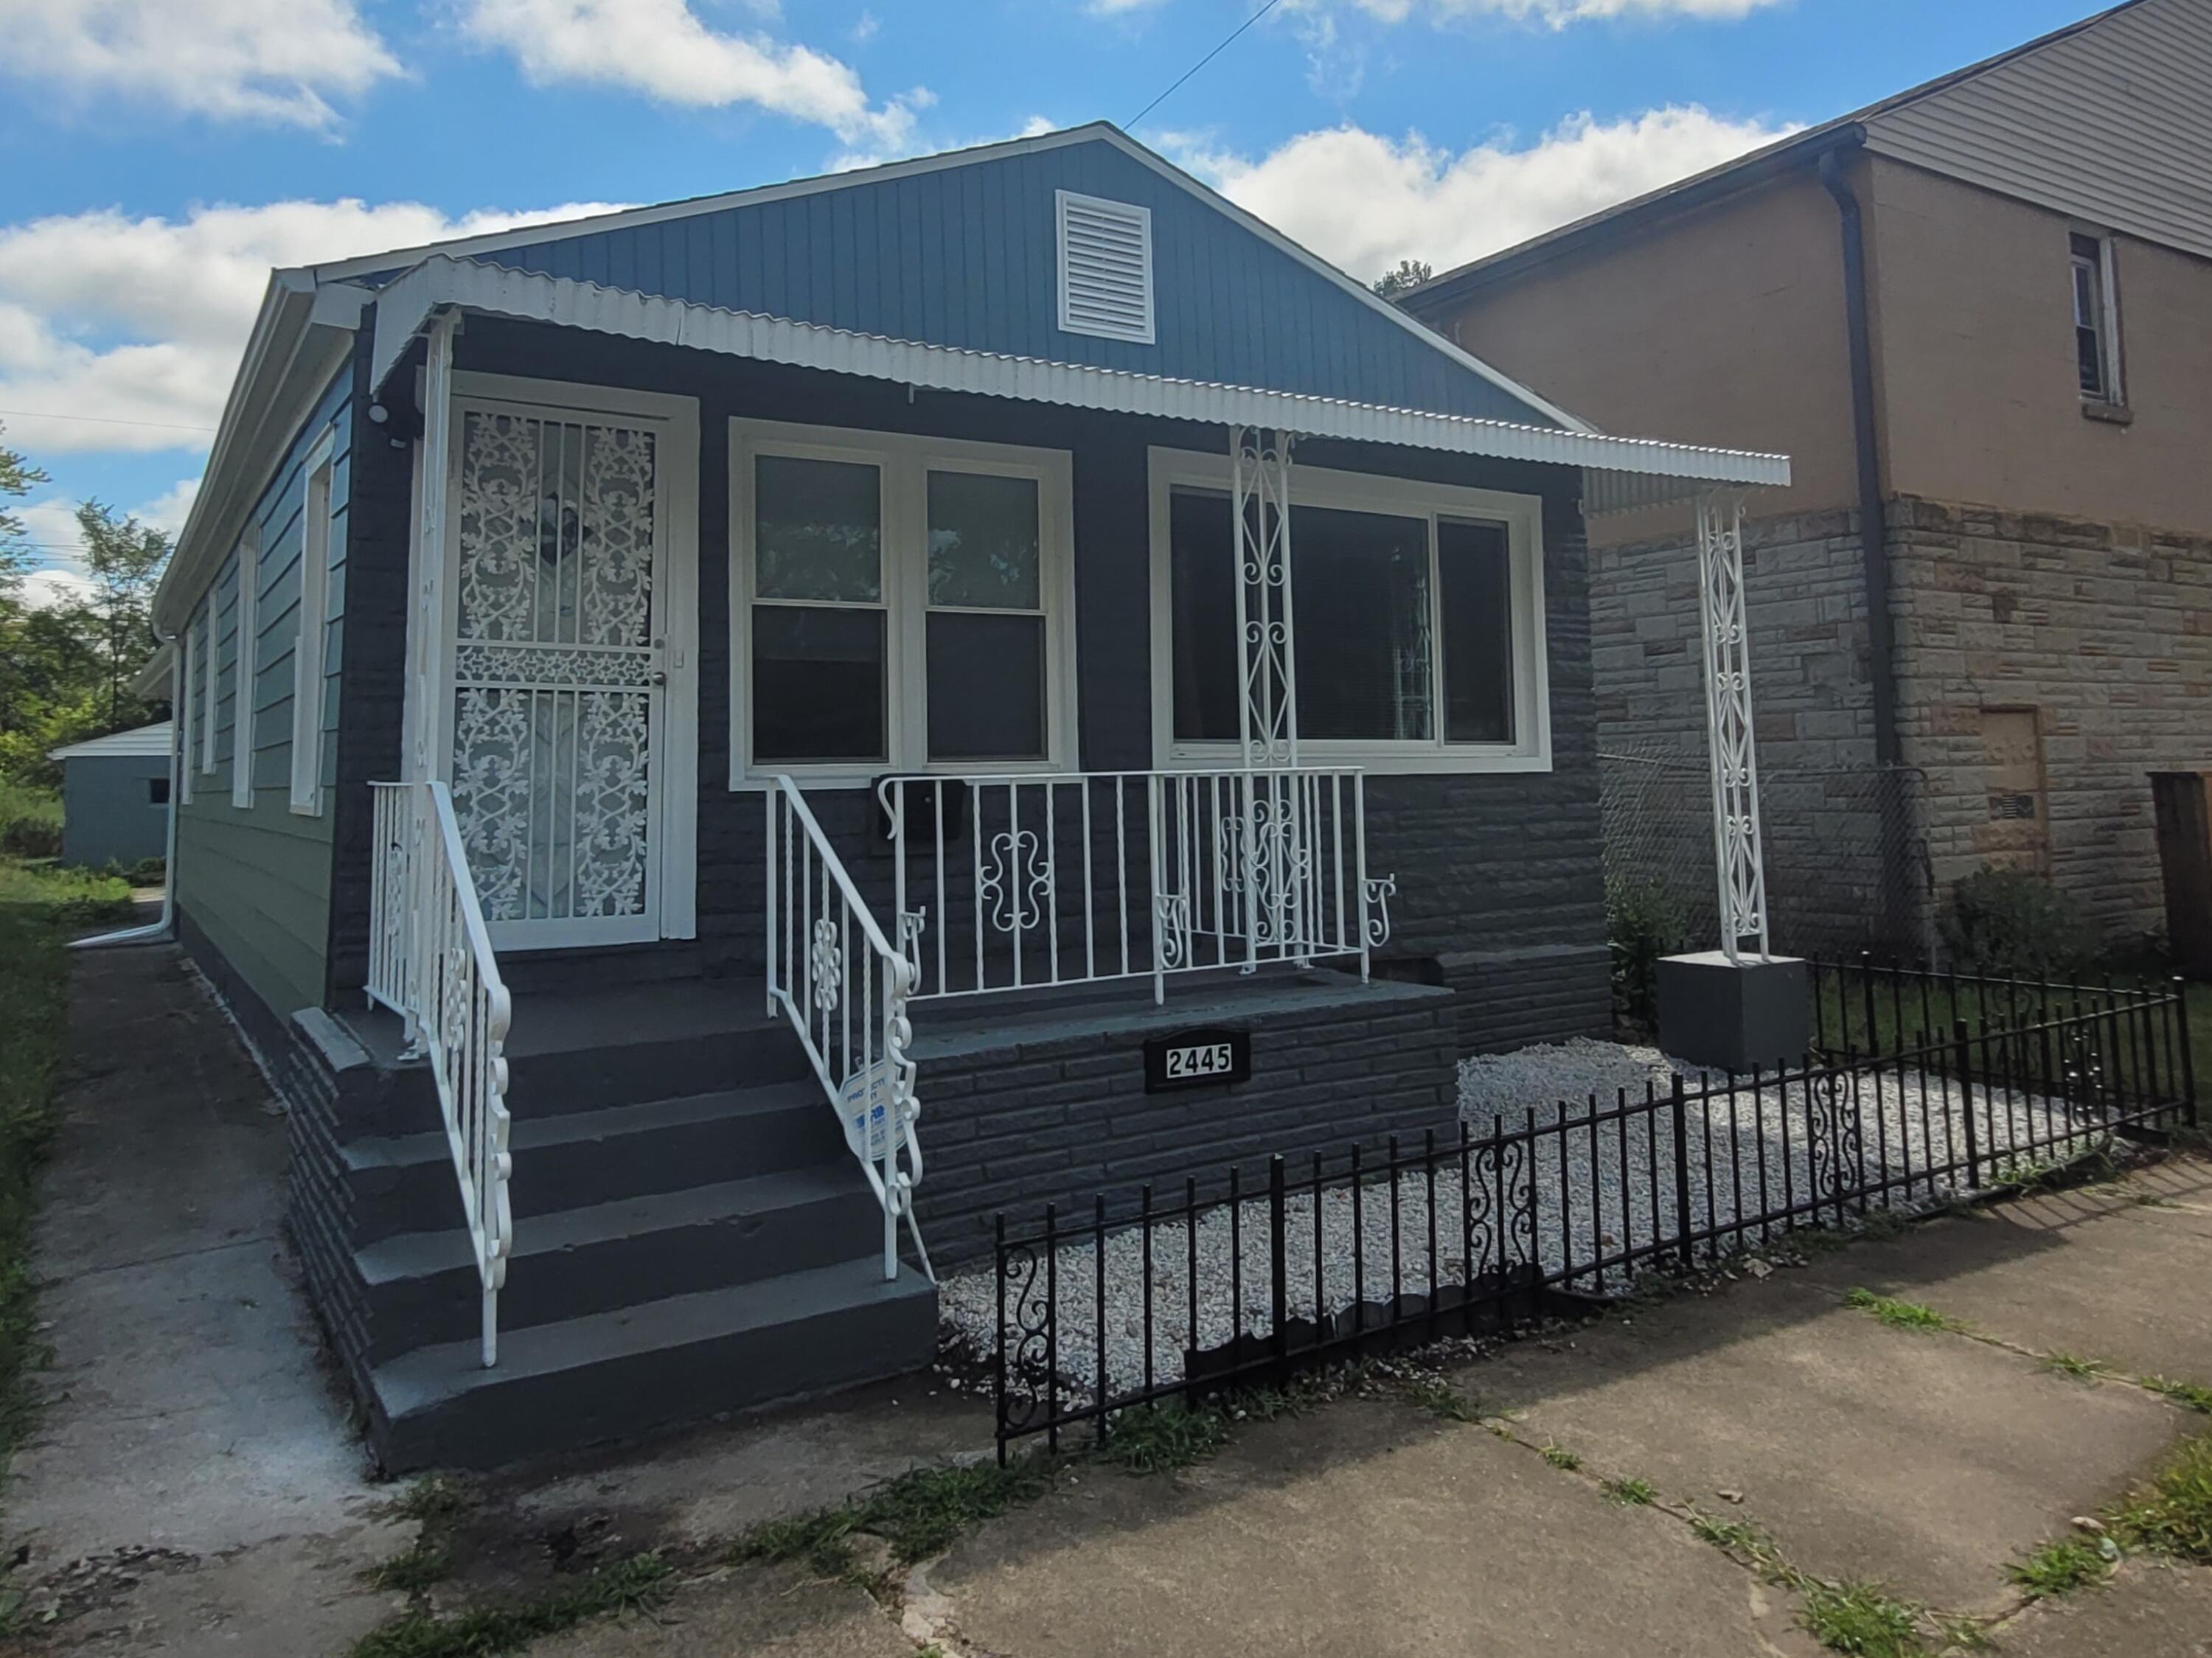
(1979, 313)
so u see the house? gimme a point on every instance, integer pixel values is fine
(718, 734)
(1978, 317)
(115, 797)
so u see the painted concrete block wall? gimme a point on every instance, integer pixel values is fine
(255, 880)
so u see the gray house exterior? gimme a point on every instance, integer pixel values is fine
(115, 797)
(751, 711)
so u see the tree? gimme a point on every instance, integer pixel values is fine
(16, 477)
(1410, 273)
(126, 559)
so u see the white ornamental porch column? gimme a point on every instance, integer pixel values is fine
(1729, 738)
(1267, 710)
(425, 713)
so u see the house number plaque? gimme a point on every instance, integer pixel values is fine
(1193, 1059)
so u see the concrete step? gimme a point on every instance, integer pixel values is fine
(406, 1183)
(614, 1375)
(581, 1051)
(423, 1288)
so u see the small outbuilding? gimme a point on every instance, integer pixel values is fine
(115, 797)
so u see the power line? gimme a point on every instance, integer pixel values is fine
(1204, 61)
(104, 419)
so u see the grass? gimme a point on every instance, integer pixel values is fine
(1560, 1457)
(1439, 1398)
(631, 1585)
(1631, 1493)
(427, 1562)
(30, 821)
(1157, 1438)
(2190, 1395)
(918, 1513)
(2060, 1568)
(38, 906)
(2172, 1515)
(1863, 1619)
(2072, 1364)
(435, 1502)
(1900, 1315)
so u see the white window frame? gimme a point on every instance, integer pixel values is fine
(248, 615)
(1522, 517)
(313, 612)
(1064, 200)
(2108, 312)
(904, 463)
(210, 677)
(188, 688)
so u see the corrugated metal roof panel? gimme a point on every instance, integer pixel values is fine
(498, 291)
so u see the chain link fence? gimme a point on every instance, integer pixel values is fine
(1847, 868)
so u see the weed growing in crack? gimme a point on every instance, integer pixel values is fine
(2190, 1395)
(1439, 1398)
(1157, 1438)
(428, 1561)
(1964, 1634)
(1900, 1315)
(2061, 1567)
(1631, 1493)
(2172, 1515)
(1863, 1619)
(2071, 1365)
(631, 1585)
(918, 1513)
(1560, 1457)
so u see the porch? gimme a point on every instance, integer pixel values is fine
(764, 895)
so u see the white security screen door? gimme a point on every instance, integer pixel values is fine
(560, 669)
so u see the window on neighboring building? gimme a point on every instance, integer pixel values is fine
(2096, 320)
(157, 790)
(902, 601)
(1417, 611)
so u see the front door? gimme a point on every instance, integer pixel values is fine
(560, 667)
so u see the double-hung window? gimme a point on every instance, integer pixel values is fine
(1417, 620)
(898, 603)
(2096, 320)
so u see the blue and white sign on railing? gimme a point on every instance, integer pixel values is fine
(864, 1105)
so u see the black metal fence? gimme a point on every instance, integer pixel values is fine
(1234, 1282)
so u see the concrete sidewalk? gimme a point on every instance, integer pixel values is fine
(1923, 1460)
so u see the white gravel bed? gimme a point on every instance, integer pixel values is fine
(1598, 1201)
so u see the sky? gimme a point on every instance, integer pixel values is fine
(159, 157)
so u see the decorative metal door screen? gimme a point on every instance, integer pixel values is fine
(558, 673)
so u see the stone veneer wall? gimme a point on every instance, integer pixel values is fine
(2106, 630)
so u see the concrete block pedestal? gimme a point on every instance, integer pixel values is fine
(1733, 1015)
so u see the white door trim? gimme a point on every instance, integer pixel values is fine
(673, 878)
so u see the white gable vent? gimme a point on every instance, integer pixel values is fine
(1105, 268)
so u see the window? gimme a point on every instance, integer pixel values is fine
(1105, 268)
(211, 683)
(189, 688)
(307, 649)
(902, 602)
(244, 689)
(1417, 611)
(157, 790)
(2096, 320)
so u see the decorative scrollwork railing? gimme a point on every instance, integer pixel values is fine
(1026, 880)
(845, 990)
(430, 962)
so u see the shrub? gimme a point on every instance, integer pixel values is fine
(30, 821)
(1643, 921)
(2015, 922)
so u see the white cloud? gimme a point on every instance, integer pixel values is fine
(663, 49)
(107, 317)
(48, 589)
(1366, 201)
(273, 60)
(57, 543)
(1552, 14)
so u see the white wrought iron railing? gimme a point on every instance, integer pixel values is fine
(430, 962)
(1015, 880)
(845, 990)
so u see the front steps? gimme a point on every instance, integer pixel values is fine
(692, 1236)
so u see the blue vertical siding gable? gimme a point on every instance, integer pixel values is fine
(968, 256)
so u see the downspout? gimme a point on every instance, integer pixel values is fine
(1898, 863)
(1873, 538)
(160, 931)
